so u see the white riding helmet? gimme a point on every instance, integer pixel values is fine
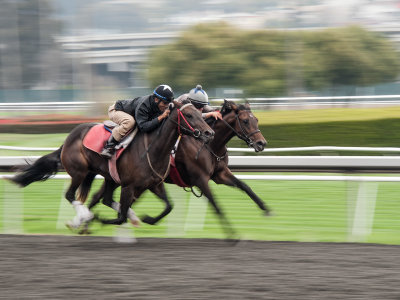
(198, 96)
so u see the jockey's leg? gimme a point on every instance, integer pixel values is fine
(125, 123)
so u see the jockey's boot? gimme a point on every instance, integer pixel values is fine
(109, 148)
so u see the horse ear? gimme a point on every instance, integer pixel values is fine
(171, 106)
(234, 106)
(227, 104)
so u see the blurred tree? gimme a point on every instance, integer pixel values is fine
(26, 35)
(272, 63)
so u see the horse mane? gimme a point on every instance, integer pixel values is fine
(226, 107)
(172, 107)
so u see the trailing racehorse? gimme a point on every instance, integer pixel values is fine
(197, 162)
(143, 165)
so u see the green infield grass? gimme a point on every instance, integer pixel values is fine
(324, 211)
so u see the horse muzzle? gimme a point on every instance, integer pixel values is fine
(259, 145)
(208, 135)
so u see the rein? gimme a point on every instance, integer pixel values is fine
(151, 166)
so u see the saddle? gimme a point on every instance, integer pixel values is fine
(97, 137)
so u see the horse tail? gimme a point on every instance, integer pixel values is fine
(84, 188)
(40, 170)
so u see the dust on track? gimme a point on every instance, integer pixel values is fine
(74, 267)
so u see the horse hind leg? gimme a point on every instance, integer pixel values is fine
(83, 214)
(106, 193)
(128, 196)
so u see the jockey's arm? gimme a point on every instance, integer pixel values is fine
(208, 112)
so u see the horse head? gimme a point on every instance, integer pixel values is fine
(244, 124)
(190, 121)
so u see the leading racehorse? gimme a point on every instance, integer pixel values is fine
(143, 165)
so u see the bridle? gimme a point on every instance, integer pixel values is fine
(191, 131)
(243, 135)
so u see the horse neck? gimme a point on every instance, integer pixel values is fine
(163, 141)
(223, 134)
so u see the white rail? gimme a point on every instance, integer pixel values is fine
(282, 177)
(45, 106)
(338, 163)
(277, 101)
(287, 149)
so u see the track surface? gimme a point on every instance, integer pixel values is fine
(72, 267)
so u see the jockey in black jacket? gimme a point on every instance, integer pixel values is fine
(147, 112)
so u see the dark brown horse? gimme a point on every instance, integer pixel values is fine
(198, 162)
(141, 166)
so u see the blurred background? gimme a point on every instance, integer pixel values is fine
(98, 50)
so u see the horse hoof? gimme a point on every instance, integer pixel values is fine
(85, 231)
(232, 241)
(71, 226)
(269, 214)
(148, 220)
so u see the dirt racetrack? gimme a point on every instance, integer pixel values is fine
(74, 267)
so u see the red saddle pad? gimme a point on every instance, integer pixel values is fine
(96, 138)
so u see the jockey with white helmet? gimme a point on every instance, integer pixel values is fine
(199, 98)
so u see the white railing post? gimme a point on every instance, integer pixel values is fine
(13, 207)
(364, 211)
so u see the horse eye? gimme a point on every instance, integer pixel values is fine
(189, 116)
(246, 121)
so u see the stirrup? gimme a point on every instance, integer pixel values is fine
(107, 152)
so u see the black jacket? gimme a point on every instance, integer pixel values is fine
(143, 109)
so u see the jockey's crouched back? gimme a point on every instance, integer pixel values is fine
(146, 112)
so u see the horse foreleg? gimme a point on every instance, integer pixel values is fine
(106, 192)
(226, 177)
(128, 196)
(226, 226)
(159, 190)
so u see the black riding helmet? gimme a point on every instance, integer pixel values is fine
(164, 92)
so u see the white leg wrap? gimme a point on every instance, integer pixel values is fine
(83, 214)
(131, 214)
(74, 223)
